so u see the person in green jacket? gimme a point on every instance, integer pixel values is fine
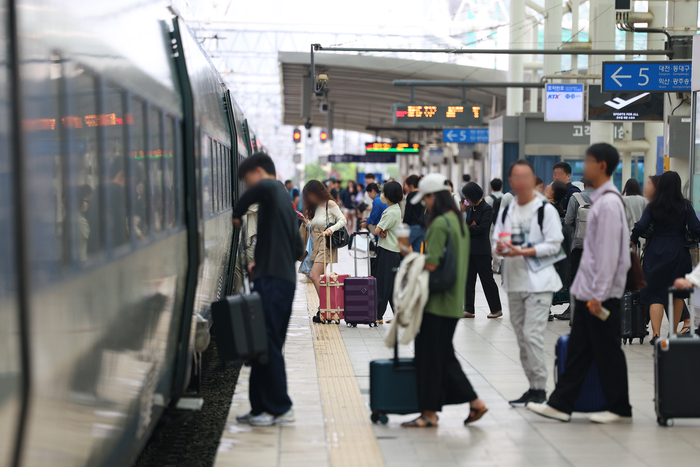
(440, 379)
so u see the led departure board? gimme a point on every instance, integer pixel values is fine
(392, 148)
(437, 115)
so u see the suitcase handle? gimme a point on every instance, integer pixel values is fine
(369, 267)
(683, 294)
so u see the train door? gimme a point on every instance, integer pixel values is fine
(233, 163)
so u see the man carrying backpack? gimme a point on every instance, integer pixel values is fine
(528, 236)
(576, 216)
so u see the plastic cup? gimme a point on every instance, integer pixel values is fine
(505, 238)
(403, 233)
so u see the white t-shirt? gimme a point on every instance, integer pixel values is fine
(516, 268)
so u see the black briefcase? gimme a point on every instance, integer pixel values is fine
(677, 370)
(239, 327)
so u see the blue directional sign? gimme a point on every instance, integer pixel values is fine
(465, 135)
(671, 76)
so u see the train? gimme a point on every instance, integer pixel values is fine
(119, 147)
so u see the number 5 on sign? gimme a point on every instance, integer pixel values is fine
(642, 75)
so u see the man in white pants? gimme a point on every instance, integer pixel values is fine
(529, 275)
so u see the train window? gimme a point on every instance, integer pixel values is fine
(155, 168)
(228, 178)
(82, 206)
(212, 190)
(139, 167)
(219, 164)
(169, 159)
(115, 160)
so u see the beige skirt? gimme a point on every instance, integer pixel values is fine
(320, 253)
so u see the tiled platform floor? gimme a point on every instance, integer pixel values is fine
(504, 437)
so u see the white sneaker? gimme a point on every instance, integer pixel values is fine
(244, 418)
(547, 411)
(609, 418)
(266, 419)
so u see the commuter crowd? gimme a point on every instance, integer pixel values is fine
(574, 242)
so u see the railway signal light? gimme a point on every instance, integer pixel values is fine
(323, 136)
(297, 135)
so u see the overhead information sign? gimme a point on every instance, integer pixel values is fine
(465, 135)
(392, 148)
(374, 158)
(670, 76)
(563, 103)
(624, 106)
(437, 115)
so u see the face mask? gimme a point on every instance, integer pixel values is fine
(383, 199)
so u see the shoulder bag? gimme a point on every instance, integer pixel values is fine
(635, 275)
(445, 276)
(339, 238)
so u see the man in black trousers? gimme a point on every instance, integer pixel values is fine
(278, 247)
(598, 289)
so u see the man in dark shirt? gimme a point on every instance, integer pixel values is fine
(415, 214)
(278, 248)
(562, 173)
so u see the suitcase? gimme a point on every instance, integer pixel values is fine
(633, 317)
(239, 327)
(591, 398)
(392, 386)
(332, 296)
(677, 370)
(360, 295)
(561, 297)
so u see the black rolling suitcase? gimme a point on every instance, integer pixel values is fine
(634, 321)
(239, 327)
(677, 370)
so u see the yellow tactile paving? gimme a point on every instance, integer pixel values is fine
(349, 431)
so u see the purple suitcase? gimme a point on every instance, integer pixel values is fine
(360, 295)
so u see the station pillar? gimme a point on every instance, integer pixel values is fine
(602, 36)
(514, 96)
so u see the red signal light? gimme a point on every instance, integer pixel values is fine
(297, 135)
(323, 136)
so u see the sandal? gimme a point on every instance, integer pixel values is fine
(475, 414)
(317, 317)
(415, 424)
(685, 330)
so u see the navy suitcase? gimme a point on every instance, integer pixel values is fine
(361, 295)
(392, 386)
(591, 398)
(633, 318)
(677, 370)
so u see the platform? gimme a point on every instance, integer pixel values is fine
(328, 371)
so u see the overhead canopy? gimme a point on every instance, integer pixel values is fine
(361, 92)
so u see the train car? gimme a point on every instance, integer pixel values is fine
(119, 145)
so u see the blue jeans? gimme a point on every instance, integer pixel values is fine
(267, 389)
(416, 238)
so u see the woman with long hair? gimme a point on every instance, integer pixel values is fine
(665, 257)
(635, 202)
(324, 217)
(439, 376)
(347, 197)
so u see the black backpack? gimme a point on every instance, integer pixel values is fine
(496, 207)
(562, 266)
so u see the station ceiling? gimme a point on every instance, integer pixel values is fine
(361, 92)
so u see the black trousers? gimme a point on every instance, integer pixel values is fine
(575, 260)
(481, 265)
(439, 375)
(267, 389)
(384, 269)
(594, 340)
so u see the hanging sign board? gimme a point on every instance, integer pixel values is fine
(624, 106)
(564, 103)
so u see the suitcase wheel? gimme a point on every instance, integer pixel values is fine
(664, 421)
(641, 340)
(379, 418)
(373, 325)
(352, 325)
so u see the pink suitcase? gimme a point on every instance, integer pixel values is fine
(332, 297)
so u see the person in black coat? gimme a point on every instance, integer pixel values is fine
(479, 219)
(665, 256)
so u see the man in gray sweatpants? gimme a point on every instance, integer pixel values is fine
(529, 276)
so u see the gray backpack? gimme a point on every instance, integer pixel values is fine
(581, 216)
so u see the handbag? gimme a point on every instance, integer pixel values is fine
(635, 275)
(445, 276)
(339, 238)
(690, 240)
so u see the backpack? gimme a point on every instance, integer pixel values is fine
(563, 266)
(496, 207)
(581, 216)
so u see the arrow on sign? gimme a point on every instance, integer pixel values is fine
(615, 75)
(450, 135)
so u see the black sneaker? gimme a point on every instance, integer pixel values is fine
(565, 315)
(538, 396)
(524, 399)
(551, 317)
(317, 317)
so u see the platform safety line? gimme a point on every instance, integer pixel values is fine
(349, 433)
